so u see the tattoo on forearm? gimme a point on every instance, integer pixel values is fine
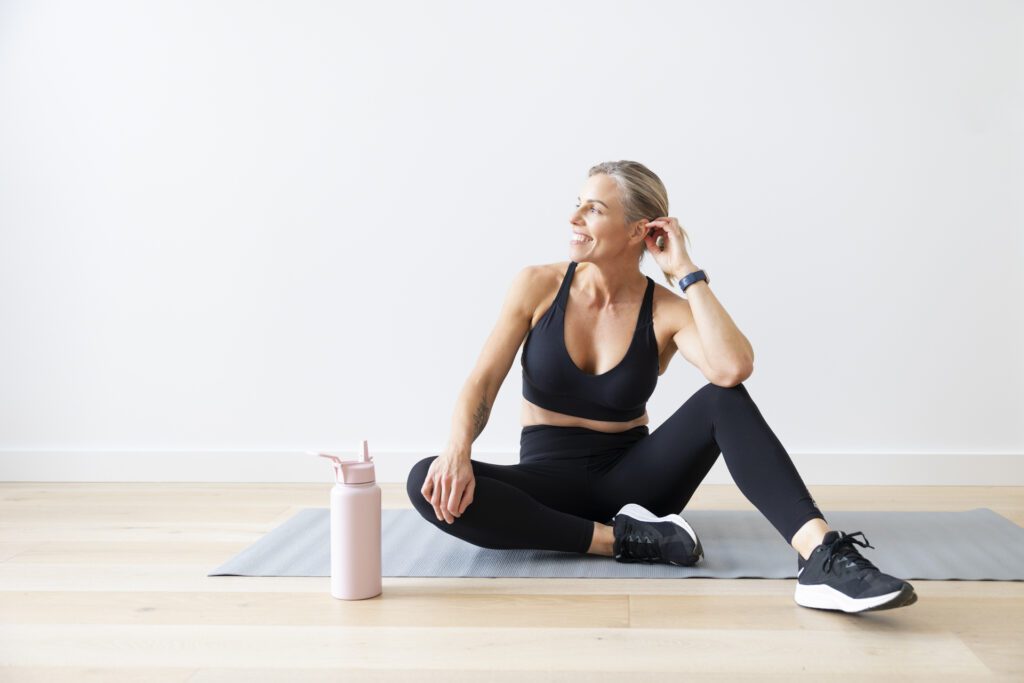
(480, 416)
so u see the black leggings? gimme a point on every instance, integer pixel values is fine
(569, 477)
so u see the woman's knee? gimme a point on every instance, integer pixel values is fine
(735, 394)
(718, 388)
(415, 481)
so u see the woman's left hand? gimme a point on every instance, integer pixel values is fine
(672, 258)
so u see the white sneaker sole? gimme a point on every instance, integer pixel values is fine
(820, 596)
(639, 512)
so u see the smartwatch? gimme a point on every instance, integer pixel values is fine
(695, 276)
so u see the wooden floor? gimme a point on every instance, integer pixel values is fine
(108, 582)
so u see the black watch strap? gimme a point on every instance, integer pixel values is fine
(695, 276)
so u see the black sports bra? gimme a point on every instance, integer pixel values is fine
(552, 380)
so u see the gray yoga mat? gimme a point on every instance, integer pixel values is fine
(972, 545)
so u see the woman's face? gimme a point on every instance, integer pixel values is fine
(597, 221)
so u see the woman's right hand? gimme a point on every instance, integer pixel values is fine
(449, 485)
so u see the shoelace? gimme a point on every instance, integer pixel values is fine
(843, 547)
(641, 547)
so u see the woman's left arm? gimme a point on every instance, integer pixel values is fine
(726, 348)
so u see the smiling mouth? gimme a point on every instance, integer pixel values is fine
(580, 239)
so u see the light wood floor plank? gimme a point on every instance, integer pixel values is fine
(696, 650)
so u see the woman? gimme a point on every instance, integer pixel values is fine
(598, 334)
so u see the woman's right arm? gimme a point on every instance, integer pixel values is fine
(451, 474)
(473, 406)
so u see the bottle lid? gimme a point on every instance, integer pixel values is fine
(359, 471)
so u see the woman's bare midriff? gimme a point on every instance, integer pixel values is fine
(533, 414)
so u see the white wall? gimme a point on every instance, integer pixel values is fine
(232, 231)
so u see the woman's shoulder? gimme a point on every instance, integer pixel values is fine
(542, 275)
(537, 284)
(558, 268)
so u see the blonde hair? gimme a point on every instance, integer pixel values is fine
(641, 191)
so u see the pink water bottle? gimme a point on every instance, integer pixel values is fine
(355, 529)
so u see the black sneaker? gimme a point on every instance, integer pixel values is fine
(640, 536)
(836, 576)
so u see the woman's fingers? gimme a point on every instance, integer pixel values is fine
(435, 500)
(444, 499)
(449, 492)
(467, 496)
(454, 499)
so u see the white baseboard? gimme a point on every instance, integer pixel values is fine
(884, 469)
